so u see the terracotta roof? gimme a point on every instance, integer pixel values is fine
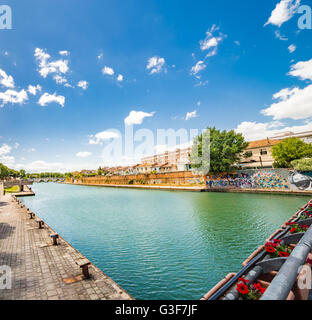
(262, 143)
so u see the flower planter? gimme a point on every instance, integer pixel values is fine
(255, 253)
(219, 285)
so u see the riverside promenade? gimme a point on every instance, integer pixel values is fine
(38, 269)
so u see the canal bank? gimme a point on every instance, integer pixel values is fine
(41, 271)
(199, 189)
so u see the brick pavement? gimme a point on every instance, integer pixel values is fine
(37, 271)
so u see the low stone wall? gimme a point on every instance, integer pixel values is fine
(1, 189)
(171, 178)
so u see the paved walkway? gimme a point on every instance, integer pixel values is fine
(38, 271)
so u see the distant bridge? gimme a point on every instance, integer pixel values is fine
(39, 180)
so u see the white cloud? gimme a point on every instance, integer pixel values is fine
(283, 12)
(12, 96)
(67, 85)
(103, 136)
(292, 48)
(201, 83)
(258, 131)
(59, 79)
(5, 80)
(100, 56)
(211, 41)
(137, 117)
(302, 70)
(279, 36)
(83, 154)
(33, 89)
(200, 65)
(108, 70)
(155, 64)
(120, 78)
(5, 149)
(83, 84)
(49, 98)
(293, 103)
(5, 158)
(237, 42)
(59, 67)
(41, 166)
(190, 115)
(64, 53)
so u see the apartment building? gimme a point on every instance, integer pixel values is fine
(305, 136)
(260, 154)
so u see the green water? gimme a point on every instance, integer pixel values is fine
(161, 244)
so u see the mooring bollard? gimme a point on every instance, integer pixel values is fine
(54, 237)
(40, 223)
(84, 265)
(31, 214)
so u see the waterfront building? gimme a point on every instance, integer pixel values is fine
(259, 154)
(176, 160)
(305, 136)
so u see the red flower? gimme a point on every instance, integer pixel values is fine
(309, 261)
(275, 245)
(283, 254)
(270, 249)
(243, 280)
(242, 288)
(277, 241)
(293, 230)
(258, 287)
(262, 290)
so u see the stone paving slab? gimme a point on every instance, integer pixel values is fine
(38, 271)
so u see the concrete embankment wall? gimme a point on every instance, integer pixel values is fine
(172, 178)
(262, 179)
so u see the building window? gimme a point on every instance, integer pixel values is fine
(263, 152)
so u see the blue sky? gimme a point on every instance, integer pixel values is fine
(72, 70)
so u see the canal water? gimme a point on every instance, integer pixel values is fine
(162, 244)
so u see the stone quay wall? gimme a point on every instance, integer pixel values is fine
(170, 178)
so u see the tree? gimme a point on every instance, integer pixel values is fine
(22, 173)
(224, 147)
(68, 175)
(100, 171)
(4, 171)
(288, 150)
(302, 164)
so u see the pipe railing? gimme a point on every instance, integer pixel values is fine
(284, 281)
(252, 263)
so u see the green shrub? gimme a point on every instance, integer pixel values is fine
(302, 164)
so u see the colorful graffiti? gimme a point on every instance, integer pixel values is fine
(281, 179)
(300, 180)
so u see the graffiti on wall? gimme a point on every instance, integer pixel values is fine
(281, 179)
